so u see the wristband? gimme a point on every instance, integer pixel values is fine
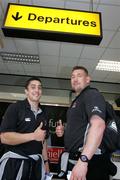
(47, 160)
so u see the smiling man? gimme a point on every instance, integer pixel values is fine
(24, 129)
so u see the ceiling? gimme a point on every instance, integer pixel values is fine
(58, 58)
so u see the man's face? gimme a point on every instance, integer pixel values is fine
(79, 80)
(34, 91)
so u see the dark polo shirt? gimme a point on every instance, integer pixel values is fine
(89, 102)
(20, 118)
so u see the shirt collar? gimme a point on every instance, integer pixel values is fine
(28, 104)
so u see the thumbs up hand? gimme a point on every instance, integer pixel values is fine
(59, 129)
(59, 123)
(41, 125)
(39, 134)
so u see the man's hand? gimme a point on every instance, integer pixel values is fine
(79, 171)
(59, 129)
(39, 134)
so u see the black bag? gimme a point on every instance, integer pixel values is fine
(111, 138)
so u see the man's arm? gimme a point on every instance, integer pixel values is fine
(94, 136)
(45, 156)
(93, 140)
(14, 138)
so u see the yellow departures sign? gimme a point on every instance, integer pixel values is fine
(52, 21)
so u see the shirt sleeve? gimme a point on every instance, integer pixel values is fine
(9, 121)
(95, 104)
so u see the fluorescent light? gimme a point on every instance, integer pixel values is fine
(19, 58)
(106, 65)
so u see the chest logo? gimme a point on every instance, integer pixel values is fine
(96, 109)
(27, 119)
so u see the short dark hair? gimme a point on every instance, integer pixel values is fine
(31, 79)
(80, 67)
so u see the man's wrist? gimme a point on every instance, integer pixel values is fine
(46, 161)
(32, 136)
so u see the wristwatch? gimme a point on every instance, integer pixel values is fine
(46, 161)
(84, 158)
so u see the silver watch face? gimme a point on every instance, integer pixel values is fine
(84, 158)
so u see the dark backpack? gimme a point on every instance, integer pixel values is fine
(111, 138)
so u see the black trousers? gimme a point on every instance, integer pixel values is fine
(31, 169)
(99, 168)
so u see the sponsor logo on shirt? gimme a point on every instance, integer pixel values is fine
(113, 126)
(96, 109)
(27, 119)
